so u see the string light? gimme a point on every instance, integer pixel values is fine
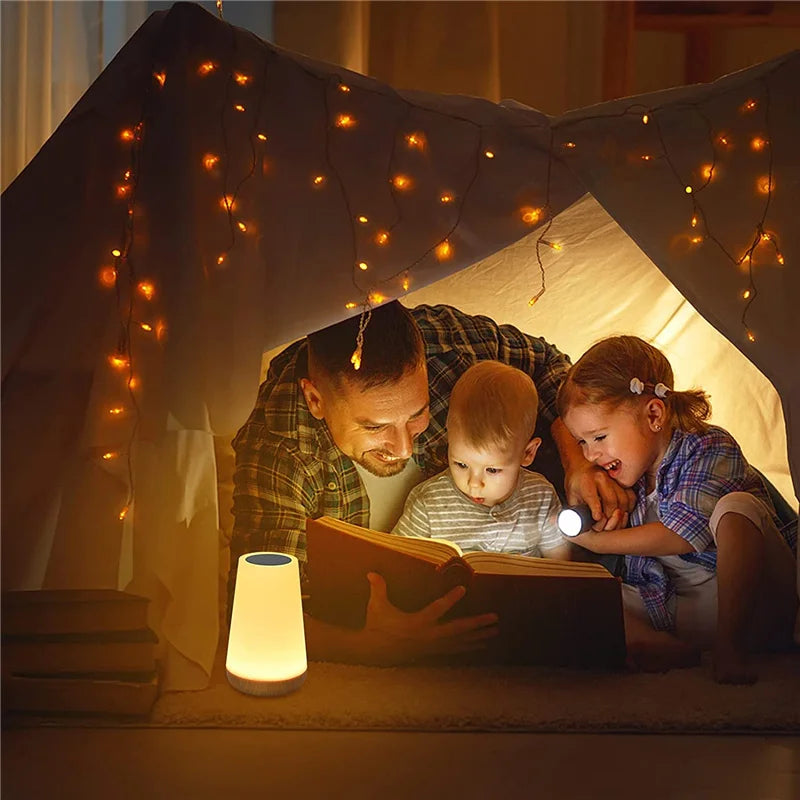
(758, 143)
(746, 294)
(552, 245)
(488, 153)
(228, 203)
(569, 145)
(242, 227)
(116, 411)
(119, 361)
(123, 190)
(221, 259)
(382, 237)
(645, 119)
(345, 121)
(707, 171)
(446, 198)
(362, 219)
(344, 88)
(161, 77)
(696, 239)
(110, 455)
(126, 135)
(694, 221)
(107, 277)
(210, 161)
(401, 182)
(363, 266)
(239, 107)
(751, 336)
(206, 68)
(350, 305)
(161, 330)
(146, 289)
(688, 189)
(145, 326)
(124, 512)
(262, 137)
(646, 157)
(530, 216)
(416, 141)
(765, 184)
(750, 105)
(406, 283)
(443, 250)
(319, 180)
(724, 141)
(241, 79)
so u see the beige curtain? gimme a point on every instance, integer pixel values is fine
(484, 48)
(51, 52)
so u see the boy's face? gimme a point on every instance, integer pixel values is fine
(489, 475)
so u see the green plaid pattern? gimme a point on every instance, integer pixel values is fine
(287, 466)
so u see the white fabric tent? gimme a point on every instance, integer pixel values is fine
(79, 446)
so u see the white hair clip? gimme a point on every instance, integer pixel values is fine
(637, 387)
(661, 390)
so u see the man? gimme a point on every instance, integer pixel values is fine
(326, 439)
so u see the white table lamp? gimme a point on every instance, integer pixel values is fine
(267, 646)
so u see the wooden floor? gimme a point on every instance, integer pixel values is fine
(117, 764)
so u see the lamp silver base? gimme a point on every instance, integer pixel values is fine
(265, 688)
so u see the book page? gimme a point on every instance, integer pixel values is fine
(513, 564)
(436, 551)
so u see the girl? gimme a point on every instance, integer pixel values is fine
(706, 566)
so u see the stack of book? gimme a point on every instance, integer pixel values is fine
(81, 651)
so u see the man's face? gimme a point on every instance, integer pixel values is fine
(374, 427)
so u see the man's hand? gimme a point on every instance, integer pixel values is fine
(391, 636)
(609, 502)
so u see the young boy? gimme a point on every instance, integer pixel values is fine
(485, 500)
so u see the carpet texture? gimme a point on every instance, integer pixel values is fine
(345, 697)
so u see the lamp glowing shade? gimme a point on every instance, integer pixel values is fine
(573, 520)
(267, 646)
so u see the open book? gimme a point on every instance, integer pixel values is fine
(551, 612)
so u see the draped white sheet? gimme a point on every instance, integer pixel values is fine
(294, 269)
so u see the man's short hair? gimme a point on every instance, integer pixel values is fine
(494, 404)
(393, 347)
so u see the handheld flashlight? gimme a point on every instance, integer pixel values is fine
(573, 520)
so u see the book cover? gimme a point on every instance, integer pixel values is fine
(48, 611)
(550, 612)
(107, 651)
(49, 695)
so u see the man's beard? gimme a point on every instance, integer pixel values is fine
(381, 469)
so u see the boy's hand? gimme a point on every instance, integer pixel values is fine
(392, 636)
(609, 502)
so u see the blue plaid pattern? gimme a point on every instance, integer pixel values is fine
(697, 470)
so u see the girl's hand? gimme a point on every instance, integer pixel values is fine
(609, 502)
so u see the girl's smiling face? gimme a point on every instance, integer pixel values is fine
(627, 441)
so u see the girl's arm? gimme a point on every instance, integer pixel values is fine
(651, 539)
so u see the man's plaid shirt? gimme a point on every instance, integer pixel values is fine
(287, 466)
(697, 470)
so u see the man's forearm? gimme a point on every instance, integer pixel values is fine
(568, 449)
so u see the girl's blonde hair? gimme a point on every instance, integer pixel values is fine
(603, 374)
(493, 404)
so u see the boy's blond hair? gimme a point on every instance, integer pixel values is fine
(494, 404)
